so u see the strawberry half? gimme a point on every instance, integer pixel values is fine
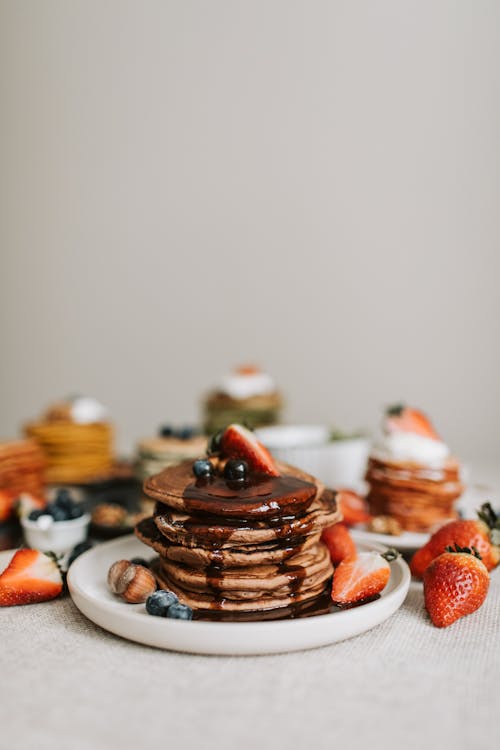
(238, 442)
(340, 543)
(483, 534)
(30, 577)
(353, 507)
(400, 418)
(455, 585)
(360, 580)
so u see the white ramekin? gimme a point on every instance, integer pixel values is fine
(58, 536)
(337, 463)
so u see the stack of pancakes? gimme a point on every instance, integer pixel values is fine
(75, 452)
(22, 467)
(250, 548)
(418, 497)
(157, 453)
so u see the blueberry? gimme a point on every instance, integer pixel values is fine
(180, 611)
(78, 550)
(76, 511)
(185, 433)
(140, 561)
(35, 514)
(57, 513)
(166, 431)
(63, 498)
(214, 444)
(236, 470)
(159, 602)
(203, 468)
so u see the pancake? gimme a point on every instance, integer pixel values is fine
(242, 548)
(74, 452)
(420, 498)
(303, 571)
(22, 469)
(201, 557)
(203, 602)
(158, 453)
(261, 497)
(212, 531)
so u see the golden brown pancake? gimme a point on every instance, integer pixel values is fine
(261, 497)
(418, 497)
(243, 555)
(248, 547)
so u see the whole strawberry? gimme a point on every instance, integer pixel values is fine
(483, 534)
(339, 542)
(455, 585)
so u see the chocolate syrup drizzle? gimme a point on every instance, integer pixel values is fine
(217, 507)
(259, 496)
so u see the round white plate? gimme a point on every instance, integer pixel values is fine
(406, 542)
(89, 591)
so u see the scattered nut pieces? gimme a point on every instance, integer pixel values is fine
(133, 583)
(385, 525)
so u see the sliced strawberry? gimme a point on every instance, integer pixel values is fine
(354, 508)
(31, 576)
(359, 580)
(402, 418)
(339, 542)
(238, 442)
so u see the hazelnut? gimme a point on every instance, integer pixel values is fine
(115, 573)
(134, 583)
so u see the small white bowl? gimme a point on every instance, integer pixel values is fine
(60, 537)
(337, 463)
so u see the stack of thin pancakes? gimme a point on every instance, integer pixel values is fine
(240, 549)
(157, 453)
(74, 452)
(22, 468)
(418, 497)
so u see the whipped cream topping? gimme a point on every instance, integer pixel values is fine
(245, 385)
(407, 446)
(86, 410)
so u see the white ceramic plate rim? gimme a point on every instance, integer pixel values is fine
(133, 623)
(406, 541)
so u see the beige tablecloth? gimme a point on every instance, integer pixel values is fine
(68, 684)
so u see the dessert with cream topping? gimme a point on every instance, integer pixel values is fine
(76, 438)
(246, 395)
(238, 533)
(412, 476)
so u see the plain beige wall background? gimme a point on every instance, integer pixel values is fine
(310, 185)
